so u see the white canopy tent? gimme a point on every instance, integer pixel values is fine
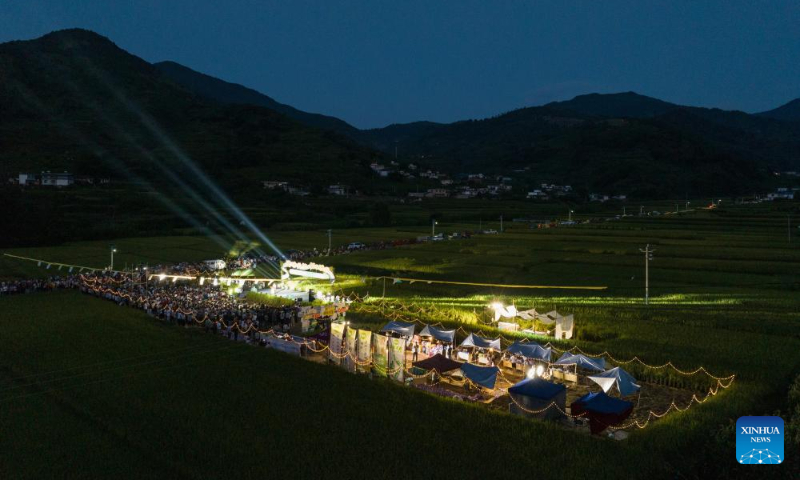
(616, 377)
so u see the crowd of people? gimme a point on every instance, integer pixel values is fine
(38, 284)
(191, 304)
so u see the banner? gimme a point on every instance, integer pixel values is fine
(397, 358)
(337, 340)
(364, 350)
(283, 345)
(352, 348)
(380, 355)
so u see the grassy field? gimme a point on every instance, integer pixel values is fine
(102, 391)
(724, 290)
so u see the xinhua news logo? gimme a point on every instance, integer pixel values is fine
(759, 440)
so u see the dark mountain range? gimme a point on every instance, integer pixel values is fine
(622, 142)
(232, 93)
(789, 112)
(627, 104)
(73, 100)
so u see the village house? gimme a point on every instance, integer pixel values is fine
(437, 193)
(63, 179)
(338, 190)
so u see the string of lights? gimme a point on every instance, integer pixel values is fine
(398, 310)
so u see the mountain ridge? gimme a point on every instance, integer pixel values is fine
(624, 142)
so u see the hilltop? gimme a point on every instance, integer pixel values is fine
(74, 100)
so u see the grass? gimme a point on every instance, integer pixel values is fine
(184, 404)
(724, 295)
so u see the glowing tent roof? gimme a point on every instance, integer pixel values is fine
(402, 328)
(475, 341)
(582, 361)
(618, 377)
(448, 336)
(530, 350)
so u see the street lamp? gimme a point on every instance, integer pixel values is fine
(570, 214)
(113, 251)
(648, 255)
(433, 228)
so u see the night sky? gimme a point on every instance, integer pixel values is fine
(376, 62)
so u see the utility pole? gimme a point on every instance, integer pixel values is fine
(571, 211)
(641, 210)
(676, 208)
(623, 212)
(113, 250)
(330, 232)
(501, 224)
(648, 255)
(433, 228)
(789, 227)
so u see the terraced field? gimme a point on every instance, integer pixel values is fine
(724, 288)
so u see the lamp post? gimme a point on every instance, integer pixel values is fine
(433, 228)
(570, 214)
(648, 255)
(330, 232)
(113, 250)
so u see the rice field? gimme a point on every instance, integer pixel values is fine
(723, 294)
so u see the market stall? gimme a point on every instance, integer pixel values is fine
(538, 398)
(616, 377)
(485, 377)
(478, 349)
(602, 411)
(521, 356)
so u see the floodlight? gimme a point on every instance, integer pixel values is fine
(539, 370)
(531, 373)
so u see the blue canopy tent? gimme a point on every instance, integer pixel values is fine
(530, 350)
(603, 411)
(475, 341)
(483, 376)
(401, 328)
(538, 394)
(582, 361)
(616, 377)
(447, 336)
